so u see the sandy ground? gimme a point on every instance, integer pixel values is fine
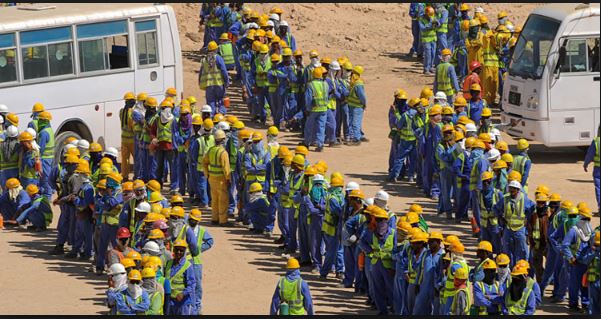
(241, 270)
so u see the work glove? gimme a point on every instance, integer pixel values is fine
(352, 239)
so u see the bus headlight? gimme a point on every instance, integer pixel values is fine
(532, 103)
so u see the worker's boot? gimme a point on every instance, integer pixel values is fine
(280, 240)
(71, 255)
(58, 250)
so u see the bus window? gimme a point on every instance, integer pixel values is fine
(46, 52)
(8, 66)
(576, 54)
(103, 46)
(146, 42)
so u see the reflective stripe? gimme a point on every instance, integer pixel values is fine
(320, 101)
(427, 35)
(12, 162)
(449, 285)
(443, 27)
(443, 80)
(412, 273)
(177, 280)
(260, 177)
(49, 149)
(215, 23)
(519, 307)
(383, 253)
(593, 270)
(147, 125)
(211, 76)
(26, 171)
(514, 214)
(406, 132)
(261, 72)
(482, 310)
(204, 145)
(536, 233)
(156, 297)
(164, 133)
(126, 118)
(353, 99)
(486, 215)
(201, 233)
(111, 217)
(330, 221)
(332, 100)
(215, 168)
(597, 149)
(467, 304)
(290, 293)
(227, 53)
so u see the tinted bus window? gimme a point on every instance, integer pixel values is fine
(8, 58)
(46, 52)
(103, 46)
(146, 42)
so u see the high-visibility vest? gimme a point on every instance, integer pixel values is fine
(467, 305)
(26, 171)
(332, 100)
(320, 97)
(48, 152)
(215, 168)
(353, 99)
(519, 307)
(384, 252)
(290, 292)
(536, 233)
(494, 289)
(330, 221)
(197, 260)
(519, 163)
(427, 35)
(488, 217)
(127, 132)
(215, 23)
(177, 279)
(489, 52)
(132, 214)
(261, 77)
(111, 217)
(204, 145)
(449, 286)
(146, 130)
(210, 76)
(475, 174)
(443, 27)
(164, 133)
(137, 301)
(12, 162)
(45, 208)
(514, 215)
(460, 180)
(156, 297)
(443, 79)
(182, 234)
(592, 274)
(260, 177)
(412, 271)
(294, 187)
(440, 147)
(273, 86)
(232, 154)
(597, 149)
(406, 132)
(227, 53)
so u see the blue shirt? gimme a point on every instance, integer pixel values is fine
(292, 275)
(222, 68)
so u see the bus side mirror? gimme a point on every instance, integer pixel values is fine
(562, 58)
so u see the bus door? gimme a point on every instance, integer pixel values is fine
(574, 91)
(149, 72)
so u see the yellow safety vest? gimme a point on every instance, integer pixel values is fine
(514, 215)
(330, 221)
(127, 132)
(197, 260)
(353, 99)
(482, 310)
(177, 279)
(487, 216)
(443, 79)
(427, 35)
(261, 72)
(215, 168)
(597, 147)
(164, 133)
(383, 253)
(519, 307)
(290, 292)
(466, 310)
(204, 144)
(210, 76)
(320, 97)
(449, 286)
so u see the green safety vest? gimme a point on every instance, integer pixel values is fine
(197, 260)
(177, 279)
(320, 95)
(12, 162)
(353, 100)
(466, 310)
(127, 132)
(406, 132)
(383, 253)
(35, 124)
(49, 150)
(441, 164)
(290, 293)
(47, 210)
(597, 148)
(273, 86)
(156, 297)
(204, 145)
(164, 133)
(592, 274)
(449, 286)
(258, 177)
(475, 174)
(146, 128)
(227, 53)
(27, 171)
(332, 101)
(211, 76)
(132, 215)
(519, 307)
(233, 155)
(427, 35)
(443, 79)
(536, 233)
(459, 180)
(215, 23)
(182, 235)
(111, 217)
(295, 187)
(215, 168)
(261, 77)
(482, 310)
(412, 273)
(330, 221)
(487, 216)
(515, 216)
(443, 27)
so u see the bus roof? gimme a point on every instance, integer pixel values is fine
(40, 15)
(563, 11)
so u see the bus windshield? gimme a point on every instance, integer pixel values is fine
(533, 46)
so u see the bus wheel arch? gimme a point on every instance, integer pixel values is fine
(70, 128)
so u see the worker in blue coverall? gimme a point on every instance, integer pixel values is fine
(83, 200)
(28, 158)
(132, 300)
(432, 136)
(522, 162)
(260, 65)
(180, 273)
(552, 252)
(45, 140)
(513, 211)
(416, 10)
(13, 201)
(576, 239)
(301, 199)
(292, 187)
(232, 147)
(442, 21)
(333, 217)
(214, 79)
(399, 256)
(182, 132)
(260, 210)
(255, 162)
(194, 190)
(316, 106)
(488, 292)
(476, 104)
(462, 166)
(406, 127)
(214, 15)
(66, 221)
(453, 25)
(284, 33)
(444, 158)
(289, 296)
(281, 187)
(590, 255)
(428, 299)
(395, 114)
(379, 245)
(315, 202)
(562, 224)
(480, 164)
(519, 285)
(245, 58)
(204, 243)
(427, 31)
(342, 110)
(277, 77)
(9, 155)
(357, 102)
(592, 155)
(111, 203)
(489, 225)
(414, 274)
(334, 95)
(39, 213)
(150, 162)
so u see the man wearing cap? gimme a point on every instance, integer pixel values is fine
(446, 78)
(180, 272)
(519, 297)
(213, 78)
(538, 225)
(416, 266)
(333, 217)
(513, 211)
(292, 295)
(216, 165)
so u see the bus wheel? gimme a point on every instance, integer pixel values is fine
(59, 143)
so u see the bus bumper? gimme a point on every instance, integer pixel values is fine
(525, 128)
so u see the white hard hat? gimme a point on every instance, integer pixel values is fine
(152, 248)
(493, 154)
(116, 269)
(270, 24)
(369, 201)
(223, 125)
(12, 131)
(253, 25)
(440, 96)
(206, 109)
(515, 184)
(351, 186)
(510, 26)
(335, 66)
(68, 146)
(83, 144)
(495, 134)
(318, 178)
(316, 64)
(3, 108)
(31, 131)
(74, 142)
(382, 195)
(112, 152)
(143, 207)
(470, 127)
(1, 120)
(479, 10)
(283, 23)
(274, 16)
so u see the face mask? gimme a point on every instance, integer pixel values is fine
(120, 281)
(256, 148)
(502, 20)
(462, 144)
(134, 290)
(149, 284)
(110, 183)
(382, 228)
(314, 61)
(473, 32)
(540, 210)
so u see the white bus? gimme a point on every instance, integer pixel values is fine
(78, 60)
(552, 83)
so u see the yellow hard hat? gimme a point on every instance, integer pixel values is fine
(129, 96)
(185, 109)
(74, 159)
(275, 57)
(212, 46)
(485, 245)
(446, 51)
(542, 188)
(459, 135)
(555, 197)
(95, 148)
(127, 186)
(479, 144)
(507, 157)
(155, 197)
(523, 144)
(377, 212)
(337, 182)
(514, 176)
(134, 255)
(419, 237)
(151, 102)
(32, 189)
(224, 36)
(416, 208)
(177, 211)
(152, 217)
(276, 39)
(460, 101)
(435, 110)
(180, 243)
(75, 151)
(298, 160)
(208, 124)
(45, 116)
(37, 107)
(25, 137)
(573, 210)
(115, 177)
(347, 66)
(519, 270)
(165, 211)
(483, 19)
(403, 226)
(313, 54)
(255, 187)
(153, 185)
(298, 52)
(567, 204)
(292, 263)
(501, 15)
(447, 110)
(336, 174)
(448, 128)
(171, 91)
(597, 238)
(244, 134)
(166, 103)
(272, 130)
(581, 205)
(412, 217)
(238, 125)
(191, 99)
(176, 199)
(502, 260)
(325, 60)
(464, 7)
(134, 274)
(156, 208)
(264, 49)
(542, 197)
(469, 142)
(310, 171)
(195, 214)
(156, 234)
(83, 167)
(486, 176)
(317, 73)
(283, 151)
(457, 247)
(586, 212)
(287, 160)
(127, 262)
(484, 137)
(426, 93)
(148, 272)
(502, 146)
(486, 112)
(499, 164)
(357, 69)
(436, 235)
(101, 184)
(142, 96)
(357, 193)
(424, 102)
(301, 150)
(257, 136)
(461, 274)
(489, 264)
(12, 118)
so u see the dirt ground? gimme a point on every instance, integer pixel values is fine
(241, 270)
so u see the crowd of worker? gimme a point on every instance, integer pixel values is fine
(151, 247)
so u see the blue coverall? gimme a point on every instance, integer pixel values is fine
(315, 126)
(11, 209)
(127, 306)
(334, 93)
(262, 214)
(444, 167)
(492, 297)
(356, 113)
(491, 233)
(461, 169)
(480, 164)
(429, 48)
(215, 93)
(206, 244)
(194, 188)
(416, 10)
(433, 136)
(84, 227)
(292, 275)
(427, 302)
(575, 270)
(181, 135)
(35, 213)
(561, 275)
(332, 243)
(188, 305)
(419, 287)
(352, 275)
(586, 256)
(108, 233)
(47, 163)
(442, 16)
(407, 151)
(590, 157)
(530, 303)
(315, 210)
(515, 243)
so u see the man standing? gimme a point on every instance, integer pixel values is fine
(180, 273)
(357, 102)
(592, 155)
(162, 139)
(46, 143)
(217, 168)
(213, 78)
(127, 132)
(292, 295)
(205, 242)
(446, 78)
(316, 99)
(427, 31)
(331, 226)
